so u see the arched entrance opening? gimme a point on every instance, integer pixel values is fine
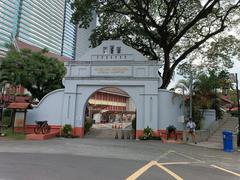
(110, 113)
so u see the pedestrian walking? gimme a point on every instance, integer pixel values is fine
(191, 126)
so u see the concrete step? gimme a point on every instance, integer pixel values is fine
(215, 140)
(228, 128)
(49, 135)
(220, 132)
(229, 125)
(104, 133)
(217, 136)
(107, 133)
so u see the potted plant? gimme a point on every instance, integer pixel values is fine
(147, 133)
(67, 130)
(171, 131)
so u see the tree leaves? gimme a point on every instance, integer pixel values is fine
(38, 73)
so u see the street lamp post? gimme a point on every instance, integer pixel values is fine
(1, 112)
(191, 93)
(183, 104)
(238, 134)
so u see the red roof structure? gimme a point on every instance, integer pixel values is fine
(23, 45)
(19, 106)
(226, 99)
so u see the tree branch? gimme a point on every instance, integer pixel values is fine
(196, 45)
(202, 14)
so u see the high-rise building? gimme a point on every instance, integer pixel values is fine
(38, 23)
(9, 14)
(41, 24)
(69, 32)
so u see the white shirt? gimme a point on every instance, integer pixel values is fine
(191, 125)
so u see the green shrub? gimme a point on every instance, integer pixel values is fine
(87, 125)
(6, 120)
(170, 129)
(67, 130)
(7, 112)
(148, 132)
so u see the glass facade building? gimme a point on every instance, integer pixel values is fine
(9, 14)
(69, 32)
(41, 23)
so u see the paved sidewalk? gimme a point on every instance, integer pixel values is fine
(210, 145)
(207, 144)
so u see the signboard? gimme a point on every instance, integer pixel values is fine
(19, 119)
(111, 71)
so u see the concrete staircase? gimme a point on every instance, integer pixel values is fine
(229, 125)
(106, 133)
(101, 133)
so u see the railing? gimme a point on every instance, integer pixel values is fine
(204, 135)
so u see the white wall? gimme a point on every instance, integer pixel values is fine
(170, 108)
(209, 117)
(49, 108)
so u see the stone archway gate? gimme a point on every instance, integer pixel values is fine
(112, 64)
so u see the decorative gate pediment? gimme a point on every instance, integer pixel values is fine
(113, 59)
(112, 50)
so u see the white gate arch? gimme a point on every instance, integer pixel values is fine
(112, 64)
(117, 65)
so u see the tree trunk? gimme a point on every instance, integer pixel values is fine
(167, 71)
(167, 76)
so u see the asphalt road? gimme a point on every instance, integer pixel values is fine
(91, 159)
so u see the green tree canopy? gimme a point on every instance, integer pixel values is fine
(166, 30)
(38, 73)
(207, 83)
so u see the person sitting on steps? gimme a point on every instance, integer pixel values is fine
(191, 129)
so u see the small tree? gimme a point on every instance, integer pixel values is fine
(207, 88)
(38, 73)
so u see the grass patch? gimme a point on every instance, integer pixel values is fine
(6, 120)
(8, 131)
(9, 134)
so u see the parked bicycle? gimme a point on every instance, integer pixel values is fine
(42, 126)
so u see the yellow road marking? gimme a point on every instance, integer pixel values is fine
(141, 170)
(173, 163)
(169, 172)
(231, 172)
(160, 165)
